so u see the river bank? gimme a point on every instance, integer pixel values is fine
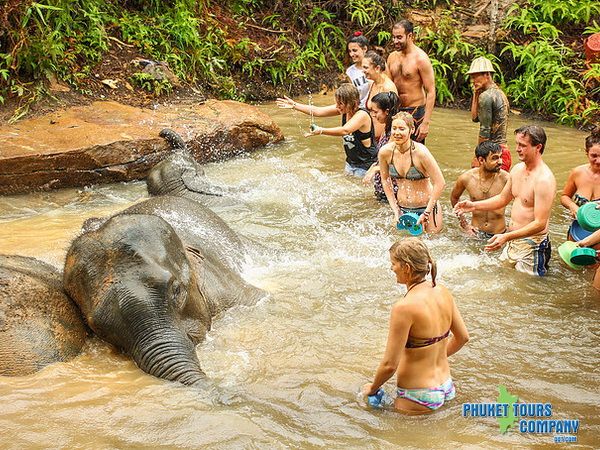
(59, 55)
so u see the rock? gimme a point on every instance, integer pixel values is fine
(113, 84)
(108, 142)
(476, 31)
(55, 85)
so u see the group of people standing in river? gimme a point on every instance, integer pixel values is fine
(386, 111)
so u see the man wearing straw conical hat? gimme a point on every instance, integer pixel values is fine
(490, 108)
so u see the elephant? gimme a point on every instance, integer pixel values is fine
(180, 175)
(149, 280)
(39, 324)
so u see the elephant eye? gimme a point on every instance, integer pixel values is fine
(177, 294)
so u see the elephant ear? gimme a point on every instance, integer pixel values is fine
(77, 279)
(198, 265)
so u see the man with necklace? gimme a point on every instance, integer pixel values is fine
(481, 183)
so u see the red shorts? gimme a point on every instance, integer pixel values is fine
(506, 158)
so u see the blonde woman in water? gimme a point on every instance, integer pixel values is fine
(416, 173)
(425, 329)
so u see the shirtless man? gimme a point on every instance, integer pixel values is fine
(481, 183)
(410, 69)
(532, 186)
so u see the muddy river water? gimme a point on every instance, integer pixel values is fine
(286, 372)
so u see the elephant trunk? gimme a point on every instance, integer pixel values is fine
(167, 354)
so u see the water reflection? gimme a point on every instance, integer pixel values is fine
(286, 372)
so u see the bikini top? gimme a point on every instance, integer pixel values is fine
(416, 342)
(412, 174)
(580, 200)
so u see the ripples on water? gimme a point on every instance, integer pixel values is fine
(285, 373)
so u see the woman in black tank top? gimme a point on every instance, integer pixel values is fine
(356, 129)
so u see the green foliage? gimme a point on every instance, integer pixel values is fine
(560, 12)
(367, 14)
(450, 57)
(151, 84)
(301, 38)
(593, 28)
(545, 78)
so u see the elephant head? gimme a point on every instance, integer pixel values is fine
(179, 174)
(139, 288)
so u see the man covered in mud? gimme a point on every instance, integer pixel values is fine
(489, 107)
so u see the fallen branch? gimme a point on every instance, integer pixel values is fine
(480, 10)
(266, 29)
(120, 42)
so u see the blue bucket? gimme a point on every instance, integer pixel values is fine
(408, 222)
(577, 232)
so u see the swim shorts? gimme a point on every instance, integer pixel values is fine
(432, 397)
(484, 235)
(529, 255)
(418, 112)
(506, 158)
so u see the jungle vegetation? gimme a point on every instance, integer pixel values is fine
(221, 46)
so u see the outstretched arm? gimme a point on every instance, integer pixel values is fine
(316, 111)
(357, 121)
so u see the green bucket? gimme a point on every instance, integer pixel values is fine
(588, 216)
(583, 256)
(564, 250)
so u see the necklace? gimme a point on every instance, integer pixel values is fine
(411, 147)
(484, 190)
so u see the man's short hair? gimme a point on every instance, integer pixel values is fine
(536, 135)
(485, 148)
(406, 25)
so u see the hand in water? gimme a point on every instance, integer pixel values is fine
(285, 102)
(495, 242)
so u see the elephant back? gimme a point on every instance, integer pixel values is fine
(198, 227)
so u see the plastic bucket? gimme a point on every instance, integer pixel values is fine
(564, 251)
(408, 222)
(588, 216)
(583, 256)
(577, 233)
